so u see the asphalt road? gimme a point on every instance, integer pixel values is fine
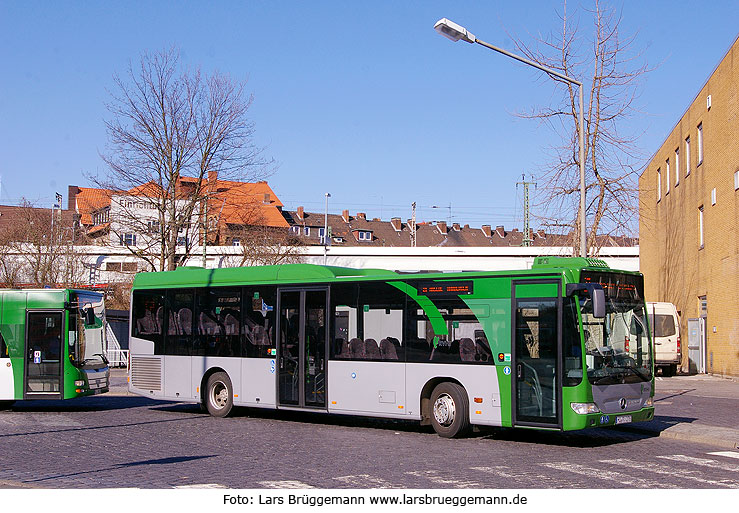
(120, 441)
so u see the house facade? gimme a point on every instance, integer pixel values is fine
(689, 207)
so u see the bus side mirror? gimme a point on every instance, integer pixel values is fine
(596, 293)
(89, 316)
(599, 303)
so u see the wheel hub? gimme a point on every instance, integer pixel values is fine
(219, 395)
(444, 410)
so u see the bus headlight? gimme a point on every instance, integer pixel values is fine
(584, 408)
(79, 383)
(649, 402)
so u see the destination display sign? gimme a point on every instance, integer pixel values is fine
(616, 285)
(445, 288)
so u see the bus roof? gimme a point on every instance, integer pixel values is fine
(305, 273)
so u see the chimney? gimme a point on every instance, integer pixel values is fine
(500, 231)
(362, 216)
(301, 216)
(456, 227)
(441, 225)
(267, 198)
(486, 229)
(345, 216)
(397, 225)
(72, 191)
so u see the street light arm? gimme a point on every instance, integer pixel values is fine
(529, 62)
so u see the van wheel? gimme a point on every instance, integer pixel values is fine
(673, 369)
(219, 395)
(450, 410)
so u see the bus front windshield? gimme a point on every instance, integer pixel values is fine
(617, 347)
(88, 335)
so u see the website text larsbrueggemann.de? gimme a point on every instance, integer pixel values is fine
(406, 499)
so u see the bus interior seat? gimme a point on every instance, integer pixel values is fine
(184, 316)
(371, 349)
(467, 350)
(356, 349)
(208, 325)
(230, 322)
(387, 350)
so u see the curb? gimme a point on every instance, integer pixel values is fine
(725, 438)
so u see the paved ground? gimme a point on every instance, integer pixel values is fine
(129, 441)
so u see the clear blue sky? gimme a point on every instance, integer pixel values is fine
(360, 99)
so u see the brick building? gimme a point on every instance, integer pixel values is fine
(689, 206)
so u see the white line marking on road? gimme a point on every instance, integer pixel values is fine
(668, 471)
(366, 481)
(434, 477)
(728, 454)
(704, 462)
(204, 486)
(507, 472)
(285, 484)
(602, 473)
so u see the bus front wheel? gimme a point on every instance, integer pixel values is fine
(450, 410)
(219, 395)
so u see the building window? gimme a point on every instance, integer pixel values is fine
(667, 171)
(236, 242)
(736, 180)
(295, 230)
(700, 144)
(321, 236)
(128, 239)
(306, 231)
(687, 156)
(713, 196)
(152, 226)
(677, 167)
(183, 241)
(365, 236)
(659, 185)
(700, 227)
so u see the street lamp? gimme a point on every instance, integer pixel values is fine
(455, 32)
(325, 229)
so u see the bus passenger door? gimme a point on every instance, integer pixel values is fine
(44, 353)
(301, 350)
(536, 384)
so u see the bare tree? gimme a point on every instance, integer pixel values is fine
(172, 134)
(610, 71)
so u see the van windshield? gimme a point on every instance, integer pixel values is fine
(663, 325)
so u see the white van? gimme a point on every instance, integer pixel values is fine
(665, 325)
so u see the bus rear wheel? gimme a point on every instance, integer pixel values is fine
(219, 398)
(450, 410)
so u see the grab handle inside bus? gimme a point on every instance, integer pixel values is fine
(596, 293)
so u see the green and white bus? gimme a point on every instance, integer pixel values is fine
(52, 344)
(562, 346)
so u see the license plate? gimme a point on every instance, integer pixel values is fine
(623, 419)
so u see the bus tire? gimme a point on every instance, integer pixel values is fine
(4, 405)
(219, 397)
(450, 408)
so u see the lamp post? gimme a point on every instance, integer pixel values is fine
(455, 32)
(325, 229)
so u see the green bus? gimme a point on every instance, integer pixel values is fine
(561, 346)
(52, 344)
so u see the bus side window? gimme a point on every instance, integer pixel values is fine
(148, 318)
(258, 333)
(3, 348)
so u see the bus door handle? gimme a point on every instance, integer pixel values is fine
(519, 371)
